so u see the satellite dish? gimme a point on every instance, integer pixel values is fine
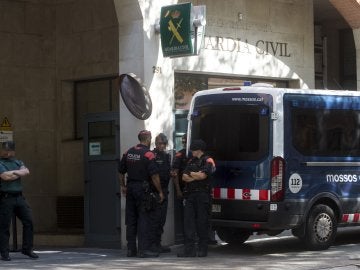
(135, 97)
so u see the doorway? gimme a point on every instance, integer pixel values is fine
(102, 189)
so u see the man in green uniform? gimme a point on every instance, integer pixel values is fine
(12, 201)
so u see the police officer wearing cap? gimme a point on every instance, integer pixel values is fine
(142, 172)
(12, 201)
(163, 160)
(197, 176)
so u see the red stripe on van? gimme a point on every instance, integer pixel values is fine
(231, 193)
(241, 194)
(345, 217)
(216, 193)
(246, 195)
(356, 217)
(263, 195)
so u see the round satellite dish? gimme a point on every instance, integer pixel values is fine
(135, 97)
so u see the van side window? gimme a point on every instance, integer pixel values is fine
(326, 132)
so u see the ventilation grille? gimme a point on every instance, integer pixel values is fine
(70, 212)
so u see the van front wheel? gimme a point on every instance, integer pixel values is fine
(321, 227)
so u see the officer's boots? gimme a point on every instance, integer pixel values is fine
(5, 256)
(30, 253)
(187, 252)
(131, 253)
(202, 252)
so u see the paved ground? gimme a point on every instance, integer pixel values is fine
(222, 258)
(88, 258)
(282, 252)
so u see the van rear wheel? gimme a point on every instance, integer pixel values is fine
(321, 227)
(232, 235)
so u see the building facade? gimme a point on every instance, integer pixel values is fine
(61, 59)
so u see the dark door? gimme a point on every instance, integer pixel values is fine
(102, 196)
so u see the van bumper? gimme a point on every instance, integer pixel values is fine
(281, 216)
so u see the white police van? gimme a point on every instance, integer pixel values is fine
(285, 159)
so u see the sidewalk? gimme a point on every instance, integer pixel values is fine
(94, 258)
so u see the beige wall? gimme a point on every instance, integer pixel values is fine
(87, 48)
(42, 44)
(28, 85)
(261, 22)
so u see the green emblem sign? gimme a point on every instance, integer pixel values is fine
(175, 30)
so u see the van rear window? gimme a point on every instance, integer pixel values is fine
(233, 132)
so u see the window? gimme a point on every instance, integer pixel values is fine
(181, 124)
(94, 96)
(326, 132)
(233, 132)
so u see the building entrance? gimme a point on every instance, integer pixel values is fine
(102, 191)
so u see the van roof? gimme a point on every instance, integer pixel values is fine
(276, 91)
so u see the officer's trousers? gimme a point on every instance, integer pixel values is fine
(18, 206)
(162, 216)
(196, 220)
(140, 223)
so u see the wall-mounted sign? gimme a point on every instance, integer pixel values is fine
(182, 29)
(94, 148)
(243, 45)
(5, 125)
(6, 136)
(175, 30)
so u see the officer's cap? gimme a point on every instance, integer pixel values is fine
(8, 146)
(198, 145)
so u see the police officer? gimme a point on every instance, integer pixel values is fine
(163, 160)
(12, 201)
(197, 200)
(140, 218)
(178, 166)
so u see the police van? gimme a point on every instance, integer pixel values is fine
(285, 159)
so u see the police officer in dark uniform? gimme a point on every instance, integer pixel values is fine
(197, 200)
(178, 167)
(12, 201)
(163, 160)
(142, 184)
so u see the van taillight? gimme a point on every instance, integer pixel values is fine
(277, 179)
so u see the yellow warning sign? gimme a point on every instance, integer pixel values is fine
(5, 125)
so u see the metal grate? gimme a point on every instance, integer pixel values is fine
(70, 212)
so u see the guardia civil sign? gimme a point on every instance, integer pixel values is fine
(176, 30)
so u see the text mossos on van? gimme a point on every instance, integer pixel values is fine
(341, 178)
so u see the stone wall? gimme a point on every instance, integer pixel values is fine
(28, 89)
(46, 46)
